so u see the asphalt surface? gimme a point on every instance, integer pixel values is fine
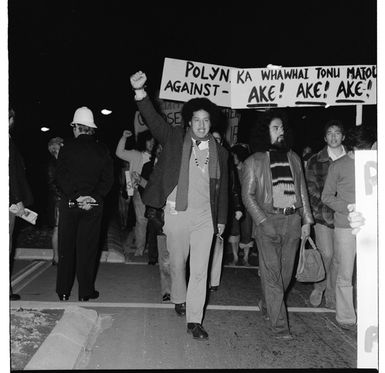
(134, 329)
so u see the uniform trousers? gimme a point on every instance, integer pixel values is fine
(189, 232)
(79, 233)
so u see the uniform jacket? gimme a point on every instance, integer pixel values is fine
(19, 189)
(257, 193)
(165, 175)
(316, 172)
(84, 168)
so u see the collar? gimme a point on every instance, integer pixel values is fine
(334, 157)
(204, 144)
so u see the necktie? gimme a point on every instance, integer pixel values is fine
(197, 142)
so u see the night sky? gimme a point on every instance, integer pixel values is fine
(66, 54)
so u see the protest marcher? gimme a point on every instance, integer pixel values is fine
(84, 175)
(123, 199)
(242, 228)
(316, 172)
(54, 146)
(338, 194)
(137, 158)
(20, 194)
(274, 193)
(153, 227)
(190, 180)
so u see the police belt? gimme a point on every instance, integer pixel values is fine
(285, 211)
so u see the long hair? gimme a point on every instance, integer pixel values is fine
(260, 135)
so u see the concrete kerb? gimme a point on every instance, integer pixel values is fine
(67, 340)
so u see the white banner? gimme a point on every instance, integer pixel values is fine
(367, 259)
(303, 86)
(183, 80)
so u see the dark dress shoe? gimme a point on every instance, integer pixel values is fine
(213, 288)
(180, 309)
(197, 331)
(152, 262)
(63, 296)
(94, 295)
(166, 297)
(13, 296)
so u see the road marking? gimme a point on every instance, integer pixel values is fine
(226, 265)
(61, 305)
(21, 271)
(44, 265)
(26, 272)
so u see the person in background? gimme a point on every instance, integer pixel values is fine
(316, 172)
(54, 146)
(243, 225)
(84, 175)
(124, 198)
(20, 193)
(156, 239)
(190, 180)
(137, 159)
(274, 193)
(307, 152)
(338, 194)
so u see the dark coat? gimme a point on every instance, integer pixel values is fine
(165, 175)
(19, 189)
(84, 168)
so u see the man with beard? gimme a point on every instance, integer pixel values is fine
(274, 193)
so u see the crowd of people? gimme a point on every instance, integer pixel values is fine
(192, 194)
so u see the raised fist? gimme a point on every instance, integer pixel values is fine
(138, 80)
(127, 133)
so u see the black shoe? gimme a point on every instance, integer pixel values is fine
(197, 331)
(180, 309)
(94, 295)
(152, 262)
(213, 288)
(166, 297)
(63, 296)
(13, 297)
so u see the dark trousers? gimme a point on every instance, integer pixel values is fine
(276, 261)
(155, 222)
(78, 237)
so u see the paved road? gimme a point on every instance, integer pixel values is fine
(138, 331)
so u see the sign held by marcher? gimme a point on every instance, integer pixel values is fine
(183, 80)
(303, 86)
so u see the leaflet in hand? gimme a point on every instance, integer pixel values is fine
(30, 216)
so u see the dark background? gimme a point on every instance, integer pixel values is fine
(67, 54)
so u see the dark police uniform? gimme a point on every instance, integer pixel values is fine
(84, 168)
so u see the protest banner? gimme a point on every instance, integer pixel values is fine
(303, 86)
(367, 259)
(183, 80)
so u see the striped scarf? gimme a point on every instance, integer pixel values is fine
(282, 179)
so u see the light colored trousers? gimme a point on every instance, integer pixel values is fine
(141, 221)
(324, 237)
(216, 264)
(189, 232)
(345, 248)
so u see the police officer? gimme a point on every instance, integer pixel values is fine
(84, 175)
